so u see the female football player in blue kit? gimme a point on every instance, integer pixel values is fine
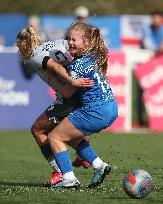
(98, 106)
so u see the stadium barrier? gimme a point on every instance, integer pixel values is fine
(22, 100)
(150, 77)
(120, 72)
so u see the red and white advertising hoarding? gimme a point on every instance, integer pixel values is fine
(117, 73)
(150, 77)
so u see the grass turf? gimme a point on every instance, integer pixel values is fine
(23, 169)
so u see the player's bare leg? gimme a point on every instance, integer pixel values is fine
(67, 133)
(41, 127)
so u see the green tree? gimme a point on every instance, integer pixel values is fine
(96, 7)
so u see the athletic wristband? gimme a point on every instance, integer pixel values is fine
(44, 62)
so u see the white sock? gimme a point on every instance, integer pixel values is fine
(69, 175)
(97, 163)
(54, 165)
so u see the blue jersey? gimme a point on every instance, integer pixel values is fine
(99, 109)
(86, 67)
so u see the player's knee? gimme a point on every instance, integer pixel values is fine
(53, 139)
(33, 130)
(40, 138)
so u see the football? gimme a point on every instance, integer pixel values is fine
(137, 183)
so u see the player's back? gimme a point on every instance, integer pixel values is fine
(57, 50)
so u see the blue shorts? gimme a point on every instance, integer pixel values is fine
(94, 118)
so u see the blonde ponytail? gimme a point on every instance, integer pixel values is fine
(33, 40)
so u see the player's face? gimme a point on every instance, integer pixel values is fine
(77, 43)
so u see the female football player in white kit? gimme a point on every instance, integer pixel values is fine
(38, 54)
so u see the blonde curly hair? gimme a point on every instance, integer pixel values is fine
(96, 44)
(34, 40)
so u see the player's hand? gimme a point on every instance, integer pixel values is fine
(82, 82)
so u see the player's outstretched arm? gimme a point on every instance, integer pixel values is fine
(61, 71)
(65, 88)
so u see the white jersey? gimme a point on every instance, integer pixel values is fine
(57, 50)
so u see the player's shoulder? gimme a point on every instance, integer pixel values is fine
(48, 45)
(55, 44)
(62, 42)
(50, 48)
(38, 54)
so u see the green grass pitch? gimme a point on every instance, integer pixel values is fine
(23, 169)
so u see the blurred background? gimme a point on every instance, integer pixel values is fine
(133, 33)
